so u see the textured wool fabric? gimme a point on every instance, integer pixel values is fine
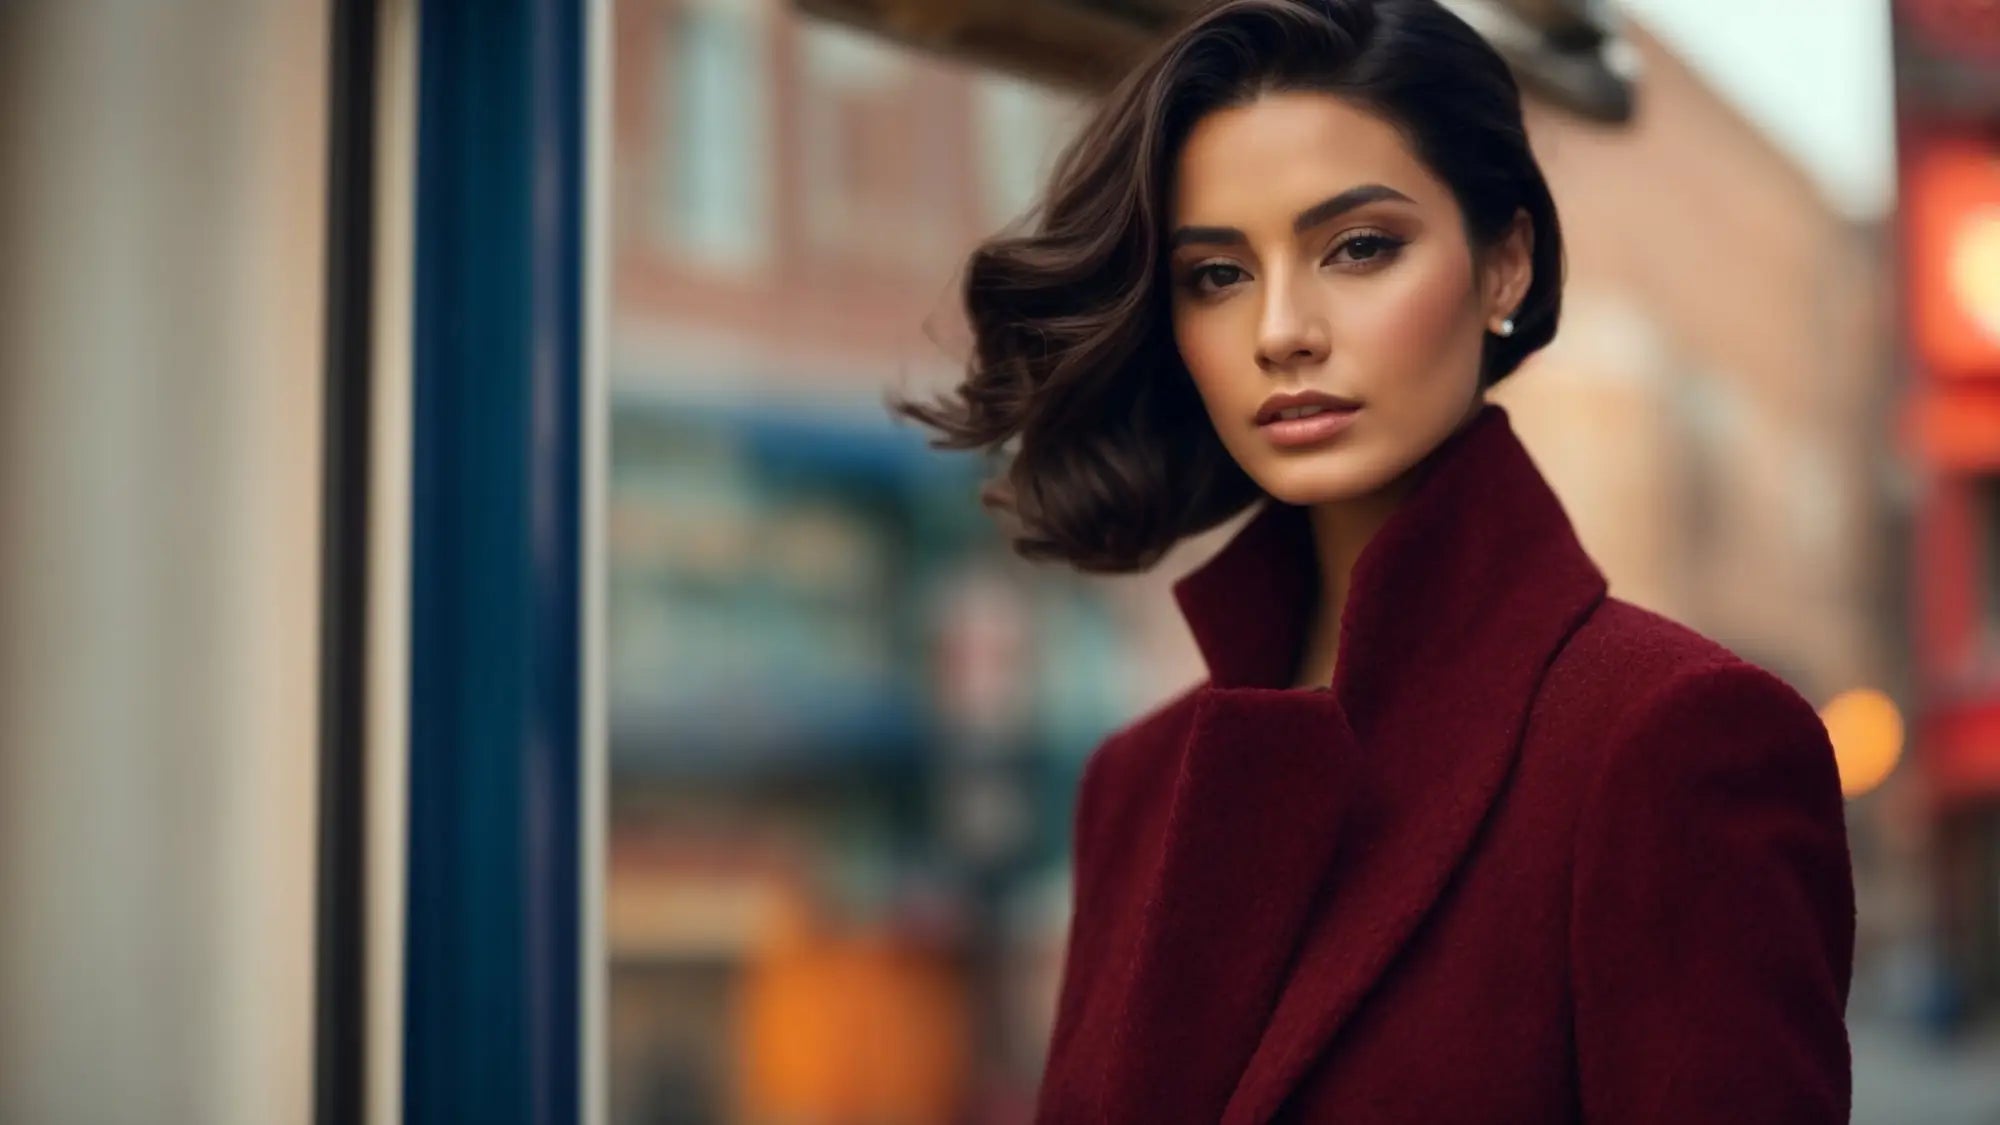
(1534, 855)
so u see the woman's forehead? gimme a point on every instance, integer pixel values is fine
(1269, 158)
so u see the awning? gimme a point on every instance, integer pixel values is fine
(1568, 52)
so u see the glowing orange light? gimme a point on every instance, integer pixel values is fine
(1973, 269)
(1951, 214)
(1867, 733)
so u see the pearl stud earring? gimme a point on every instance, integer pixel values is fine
(1507, 327)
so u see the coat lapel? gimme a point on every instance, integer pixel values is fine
(1310, 831)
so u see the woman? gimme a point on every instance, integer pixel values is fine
(1446, 834)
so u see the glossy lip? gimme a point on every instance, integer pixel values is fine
(1299, 433)
(1268, 412)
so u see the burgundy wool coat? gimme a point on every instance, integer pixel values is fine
(1535, 855)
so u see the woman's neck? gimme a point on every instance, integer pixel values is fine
(1340, 531)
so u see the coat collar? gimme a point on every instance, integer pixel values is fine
(1354, 804)
(1480, 527)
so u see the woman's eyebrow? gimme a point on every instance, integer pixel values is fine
(1307, 219)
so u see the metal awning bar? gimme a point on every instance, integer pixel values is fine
(1567, 51)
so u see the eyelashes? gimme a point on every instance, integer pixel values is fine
(1385, 245)
(1223, 274)
(1213, 278)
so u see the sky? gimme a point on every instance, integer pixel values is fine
(1814, 74)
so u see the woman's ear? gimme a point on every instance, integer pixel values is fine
(1509, 269)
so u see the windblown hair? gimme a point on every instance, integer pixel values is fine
(1075, 374)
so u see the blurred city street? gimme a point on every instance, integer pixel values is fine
(1902, 1078)
(462, 595)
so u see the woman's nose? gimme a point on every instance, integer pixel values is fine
(1291, 333)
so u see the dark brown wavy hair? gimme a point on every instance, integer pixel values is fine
(1110, 457)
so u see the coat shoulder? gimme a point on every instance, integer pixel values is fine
(1621, 645)
(1711, 917)
(1628, 667)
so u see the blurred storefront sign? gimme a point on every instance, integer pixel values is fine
(1568, 51)
(758, 559)
(1952, 225)
(1948, 140)
(1949, 184)
(1951, 275)
(1959, 745)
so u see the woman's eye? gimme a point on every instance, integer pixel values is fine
(1214, 276)
(1368, 247)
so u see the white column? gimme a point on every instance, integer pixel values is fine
(161, 213)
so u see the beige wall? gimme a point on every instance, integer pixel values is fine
(161, 204)
(1721, 321)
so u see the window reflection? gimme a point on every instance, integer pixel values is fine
(845, 722)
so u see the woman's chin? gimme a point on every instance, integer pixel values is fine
(1325, 482)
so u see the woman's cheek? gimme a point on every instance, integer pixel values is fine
(1417, 327)
(1205, 350)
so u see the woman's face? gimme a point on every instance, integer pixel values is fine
(1310, 251)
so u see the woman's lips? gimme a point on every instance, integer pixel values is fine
(1309, 430)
